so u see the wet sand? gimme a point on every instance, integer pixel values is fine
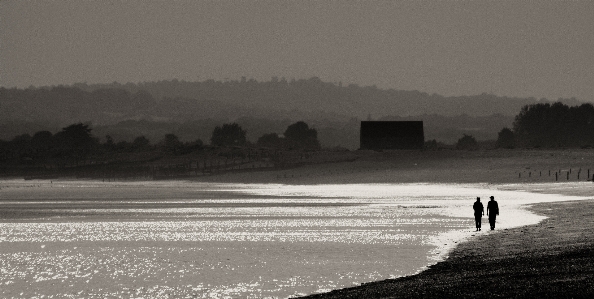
(447, 166)
(552, 259)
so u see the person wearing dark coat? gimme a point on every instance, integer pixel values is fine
(479, 211)
(492, 207)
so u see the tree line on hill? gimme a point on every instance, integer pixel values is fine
(545, 125)
(181, 101)
(76, 143)
(191, 110)
(540, 125)
(554, 125)
(313, 94)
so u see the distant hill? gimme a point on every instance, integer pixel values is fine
(315, 95)
(193, 109)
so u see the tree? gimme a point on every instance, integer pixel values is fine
(75, 141)
(301, 136)
(506, 138)
(109, 144)
(269, 140)
(123, 146)
(467, 142)
(556, 125)
(195, 145)
(228, 135)
(431, 145)
(21, 145)
(171, 144)
(42, 144)
(140, 144)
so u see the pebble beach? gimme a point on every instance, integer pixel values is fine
(552, 259)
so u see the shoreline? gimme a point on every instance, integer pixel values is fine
(553, 258)
(498, 166)
(507, 263)
(483, 166)
(529, 170)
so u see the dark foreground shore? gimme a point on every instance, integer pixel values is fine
(552, 259)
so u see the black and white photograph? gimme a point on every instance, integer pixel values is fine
(280, 149)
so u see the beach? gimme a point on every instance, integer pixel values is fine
(444, 166)
(290, 206)
(552, 259)
(159, 239)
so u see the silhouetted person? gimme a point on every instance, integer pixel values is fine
(492, 207)
(479, 211)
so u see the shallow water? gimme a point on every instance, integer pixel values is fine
(184, 239)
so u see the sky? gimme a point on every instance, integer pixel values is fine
(452, 48)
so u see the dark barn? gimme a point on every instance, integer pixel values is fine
(379, 135)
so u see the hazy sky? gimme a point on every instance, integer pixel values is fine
(508, 48)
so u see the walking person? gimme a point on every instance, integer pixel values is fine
(479, 211)
(492, 207)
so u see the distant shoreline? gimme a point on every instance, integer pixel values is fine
(498, 166)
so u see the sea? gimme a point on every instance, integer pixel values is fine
(183, 239)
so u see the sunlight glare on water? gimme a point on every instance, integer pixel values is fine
(197, 240)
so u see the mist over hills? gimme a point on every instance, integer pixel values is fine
(191, 110)
(314, 94)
